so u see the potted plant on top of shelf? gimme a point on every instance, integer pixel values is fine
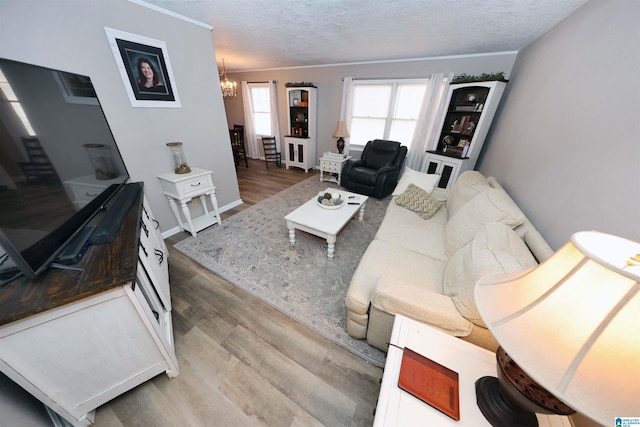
(465, 78)
(299, 84)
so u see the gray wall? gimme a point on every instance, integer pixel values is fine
(70, 36)
(566, 140)
(328, 80)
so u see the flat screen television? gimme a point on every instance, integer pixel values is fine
(59, 166)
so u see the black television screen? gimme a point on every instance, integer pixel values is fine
(59, 164)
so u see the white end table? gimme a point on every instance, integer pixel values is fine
(182, 188)
(331, 165)
(399, 408)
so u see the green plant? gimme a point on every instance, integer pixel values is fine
(299, 84)
(465, 78)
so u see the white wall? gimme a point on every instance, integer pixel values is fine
(565, 142)
(328, 80)
(69, 35)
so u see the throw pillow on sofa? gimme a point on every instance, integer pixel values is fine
(495, 249)
(492, 205)
(419, 201)
(423, 180)
(468, 185)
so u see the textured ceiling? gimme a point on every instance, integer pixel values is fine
(259, 34)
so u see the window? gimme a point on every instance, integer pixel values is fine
(385, 110)
(261, 104)
(15, 104)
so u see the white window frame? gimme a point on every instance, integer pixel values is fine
(391, 108)
(260, 109)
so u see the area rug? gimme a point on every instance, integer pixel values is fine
(251, 249)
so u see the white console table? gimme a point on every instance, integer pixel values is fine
(399, 408)
(181, 188)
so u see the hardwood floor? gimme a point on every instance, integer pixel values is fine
(242, 362)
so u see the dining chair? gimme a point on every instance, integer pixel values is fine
(237, 145)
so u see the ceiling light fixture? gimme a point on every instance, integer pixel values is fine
(229, 88)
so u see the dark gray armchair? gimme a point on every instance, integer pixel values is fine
(376, 173)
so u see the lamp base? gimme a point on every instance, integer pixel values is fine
(340, 145)
(499, 411)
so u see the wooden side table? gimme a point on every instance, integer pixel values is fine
(331, 166)
(182, 188)
(399, 408)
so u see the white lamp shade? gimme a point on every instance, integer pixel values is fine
(573, 323)
(341, 131)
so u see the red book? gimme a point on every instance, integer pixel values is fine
(430, 382)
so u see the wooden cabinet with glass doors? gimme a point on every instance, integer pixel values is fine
(300, 143)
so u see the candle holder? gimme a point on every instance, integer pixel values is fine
(178, 157)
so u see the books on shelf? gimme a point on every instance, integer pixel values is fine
(333, 155)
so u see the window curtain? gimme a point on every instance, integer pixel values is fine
(273, 110)
(431, 111)
(253, 150)
(345, 107)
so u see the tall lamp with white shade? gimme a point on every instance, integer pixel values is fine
(341, 132)
(571, 328)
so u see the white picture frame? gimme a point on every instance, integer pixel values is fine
(137, 58)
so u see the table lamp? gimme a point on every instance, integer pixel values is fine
(341, 132)
(570, 330)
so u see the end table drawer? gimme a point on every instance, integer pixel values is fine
(329, 166)
(195, 185)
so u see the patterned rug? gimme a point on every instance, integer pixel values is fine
(251, 249)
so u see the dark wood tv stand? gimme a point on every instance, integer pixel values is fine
(77, 339)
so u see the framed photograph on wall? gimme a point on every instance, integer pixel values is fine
(145, 69)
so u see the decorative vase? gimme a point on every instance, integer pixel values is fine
(178, 158)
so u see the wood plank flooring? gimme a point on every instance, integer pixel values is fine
(242, 362)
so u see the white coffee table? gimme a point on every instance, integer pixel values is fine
(325, 223)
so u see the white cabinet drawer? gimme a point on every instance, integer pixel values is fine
(329, 166)
(195, 185)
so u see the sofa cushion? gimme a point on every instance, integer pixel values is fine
(418, 200)
(495, 249)
(468, 185)
(492, 205)
(395, 296)
(406, 229)
(423, 180)
(383, 258)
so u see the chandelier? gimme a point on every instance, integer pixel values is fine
(228, 87)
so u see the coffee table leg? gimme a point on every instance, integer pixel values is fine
(331, 245)
(361, 215)
(292, 235)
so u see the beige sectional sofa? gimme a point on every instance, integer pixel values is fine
(425, 269)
